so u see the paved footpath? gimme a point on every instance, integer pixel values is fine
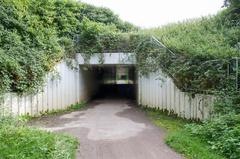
(112, 129)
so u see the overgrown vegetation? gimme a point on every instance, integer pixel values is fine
(180, 138)
(202, 58)
(203, 52)
(35, 35)
(20, 141)
(221, 133)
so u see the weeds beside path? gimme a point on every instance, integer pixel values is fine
(18, 140)
(178, 138)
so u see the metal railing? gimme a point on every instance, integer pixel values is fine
(232, 68)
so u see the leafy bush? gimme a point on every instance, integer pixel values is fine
(29, 45)
(227, 101)
(20, 141)
(36, 35)
(105, 16)
(203, 49)
(222, 133)
(98, 38)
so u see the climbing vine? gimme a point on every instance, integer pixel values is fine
(34, 39)
(36, 35)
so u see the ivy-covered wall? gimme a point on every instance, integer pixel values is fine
(36, 35)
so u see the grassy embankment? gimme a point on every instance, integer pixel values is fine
(17, 140)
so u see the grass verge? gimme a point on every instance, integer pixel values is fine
(179, 138)
(20, 141)
(17, 140)
(73, 107)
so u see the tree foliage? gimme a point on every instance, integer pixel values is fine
(35, 35)
(29, 46)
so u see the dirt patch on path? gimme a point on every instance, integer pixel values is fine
(111, 129)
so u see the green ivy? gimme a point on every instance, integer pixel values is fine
(203, 52)
(36, 35)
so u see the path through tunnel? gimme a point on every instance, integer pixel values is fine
(112, 81)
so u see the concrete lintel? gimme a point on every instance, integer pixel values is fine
(108, 59)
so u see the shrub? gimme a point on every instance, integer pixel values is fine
(222, 133)
(203, 49)
(36, 35)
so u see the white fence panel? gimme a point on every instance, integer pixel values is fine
(159, 91)
(58, 93)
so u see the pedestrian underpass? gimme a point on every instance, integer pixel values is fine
(112, 81)
(111, 75)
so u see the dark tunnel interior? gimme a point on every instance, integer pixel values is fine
(115, 81)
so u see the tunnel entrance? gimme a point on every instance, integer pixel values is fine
(114, 81)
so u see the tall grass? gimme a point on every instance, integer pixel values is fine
(208, 36)
(20, 141)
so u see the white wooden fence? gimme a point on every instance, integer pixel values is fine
(159, 91)
(72, 87)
